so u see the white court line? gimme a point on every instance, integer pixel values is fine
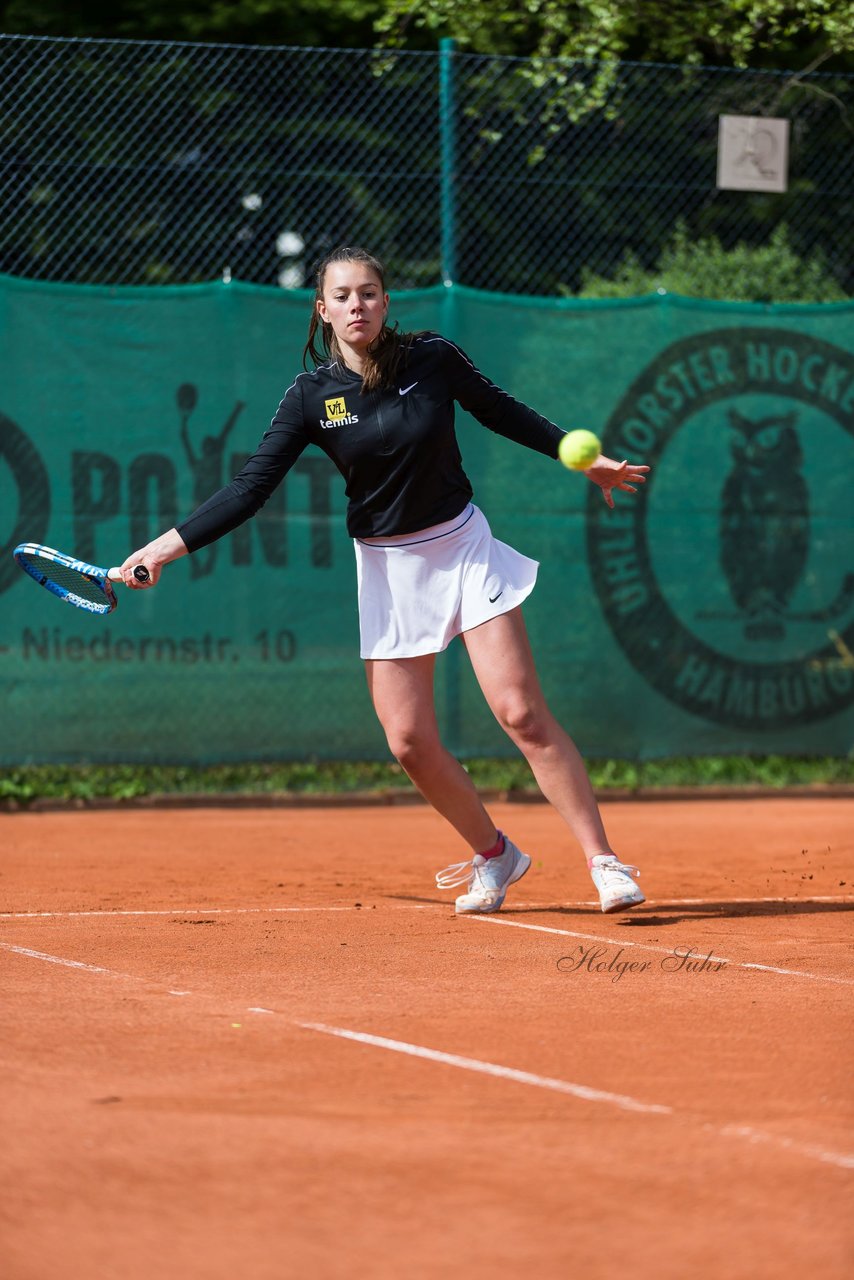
(787, 1144)
(78, 964)
(718, 901)
(401, 906)
(667, 951)
(584, 1092)
(205, 911)
(68, 964)
(737, 902)
(490, 919)
(838, 1158)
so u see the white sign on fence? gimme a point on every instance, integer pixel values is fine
(753, 153)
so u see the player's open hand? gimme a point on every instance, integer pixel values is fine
(611, 475)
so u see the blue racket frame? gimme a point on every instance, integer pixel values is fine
(40, 573)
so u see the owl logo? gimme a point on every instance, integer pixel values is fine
(764, 528)
(774, 574)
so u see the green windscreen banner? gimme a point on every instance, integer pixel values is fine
(713, 612)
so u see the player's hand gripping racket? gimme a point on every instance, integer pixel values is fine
(74, 581)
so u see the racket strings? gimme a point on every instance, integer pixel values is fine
(73, 580)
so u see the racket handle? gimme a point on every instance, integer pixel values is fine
(140, 573)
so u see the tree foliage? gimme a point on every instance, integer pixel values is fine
(703, 268)
(346, 23)
(277, 114)
(757, 33)
(715, 32)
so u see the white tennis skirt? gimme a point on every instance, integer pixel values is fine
(419, 590)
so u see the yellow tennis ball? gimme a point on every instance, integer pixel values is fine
(578, 450)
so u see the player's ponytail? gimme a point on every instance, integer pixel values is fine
(386, 352)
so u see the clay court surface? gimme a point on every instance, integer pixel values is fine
(256, 1043)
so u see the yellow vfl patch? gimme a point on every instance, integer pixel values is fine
(336, 408)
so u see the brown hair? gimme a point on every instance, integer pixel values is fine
(386, 352)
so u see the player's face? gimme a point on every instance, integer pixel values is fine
(354, 304)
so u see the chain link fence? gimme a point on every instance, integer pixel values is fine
(130, 162)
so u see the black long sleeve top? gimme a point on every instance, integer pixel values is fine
(396, 448)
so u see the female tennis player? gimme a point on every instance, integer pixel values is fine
(380, 403)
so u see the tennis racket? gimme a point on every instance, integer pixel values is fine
(86, 586)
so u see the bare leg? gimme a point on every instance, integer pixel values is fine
(402, 693)
(503, 663)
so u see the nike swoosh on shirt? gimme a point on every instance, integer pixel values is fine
(492, 599)
(403, 390)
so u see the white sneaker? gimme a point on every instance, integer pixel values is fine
(613, 879)
(488, 878)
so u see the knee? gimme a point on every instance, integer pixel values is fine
(411, 745)
(527, 723)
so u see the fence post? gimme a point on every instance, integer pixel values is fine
(447, 130)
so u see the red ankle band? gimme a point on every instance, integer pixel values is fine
(496, 850)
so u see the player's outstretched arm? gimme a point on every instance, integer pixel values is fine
(169, 546)
(611, 475)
